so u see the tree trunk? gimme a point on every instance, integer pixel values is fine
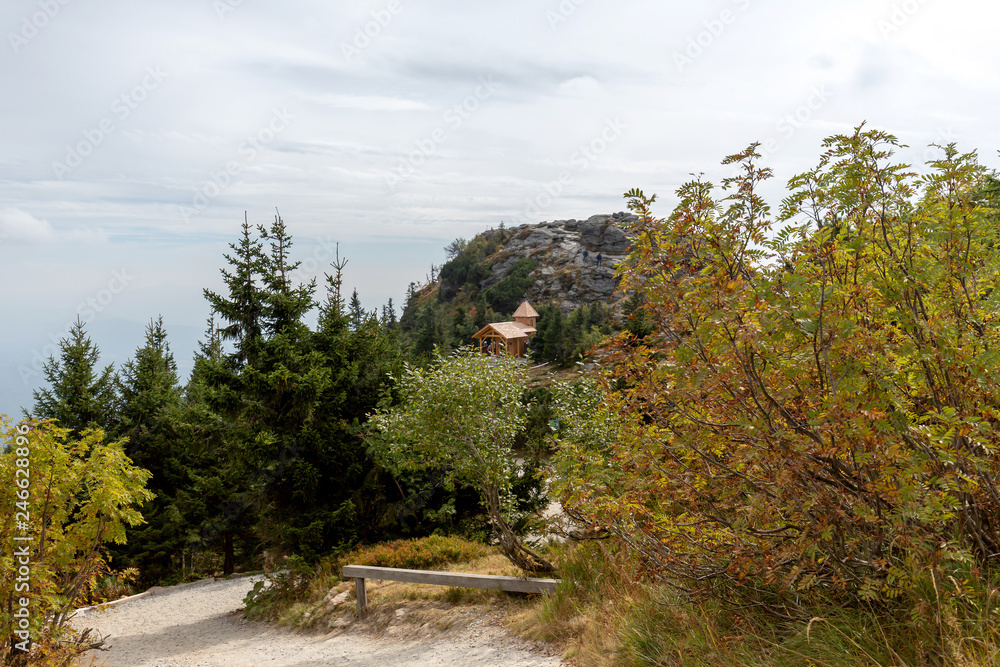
(229, 559)
(518, 554)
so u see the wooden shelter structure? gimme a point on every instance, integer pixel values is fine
(508, 338)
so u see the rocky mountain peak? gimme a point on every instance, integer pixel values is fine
(565, 253)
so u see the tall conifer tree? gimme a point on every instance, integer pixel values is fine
(79, 396)
(150, 411)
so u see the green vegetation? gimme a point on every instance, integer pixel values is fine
(461, 416)
(789, 456)
(71, 496)
(508, 292)
(468, 263)
(564, 341)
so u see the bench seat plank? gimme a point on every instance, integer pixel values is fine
(487, 581)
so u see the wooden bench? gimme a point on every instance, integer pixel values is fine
(487, 581)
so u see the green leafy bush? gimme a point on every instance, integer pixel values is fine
(462, 415)
(67, 498)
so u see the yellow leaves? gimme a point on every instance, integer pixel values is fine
(83, 492)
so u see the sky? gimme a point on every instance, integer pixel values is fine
(135, 136)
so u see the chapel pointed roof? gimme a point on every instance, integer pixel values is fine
(525, 310)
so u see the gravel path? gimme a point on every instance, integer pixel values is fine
(197, 625)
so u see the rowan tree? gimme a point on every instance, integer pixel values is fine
(815, 406)
(461, 415)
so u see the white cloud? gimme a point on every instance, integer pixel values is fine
(17, 226)
(22, 228)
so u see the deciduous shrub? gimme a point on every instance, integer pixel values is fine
(814, 412)
(65, 499)
(461, 415)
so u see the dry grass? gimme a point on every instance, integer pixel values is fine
(406, 610)
(389, 593)
(585, 615)
(603, 614)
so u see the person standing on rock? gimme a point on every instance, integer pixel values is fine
(585, 253)
(599, 259)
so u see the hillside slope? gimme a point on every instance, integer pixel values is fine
(562, 275)
(544, 263)
(554, 265)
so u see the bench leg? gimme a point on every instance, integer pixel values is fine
(359, 589)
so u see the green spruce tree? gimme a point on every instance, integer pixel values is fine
(79, 396)
(150, 413)
(231, 391)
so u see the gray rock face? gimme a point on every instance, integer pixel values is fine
(601, 281)
(600, 234)
(591, 233)
(562, 275)
(615, 241)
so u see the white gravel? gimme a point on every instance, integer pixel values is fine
(200, 625)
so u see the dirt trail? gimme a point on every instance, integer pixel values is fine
(199, 625)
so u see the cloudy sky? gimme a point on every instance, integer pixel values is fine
(136, 134)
